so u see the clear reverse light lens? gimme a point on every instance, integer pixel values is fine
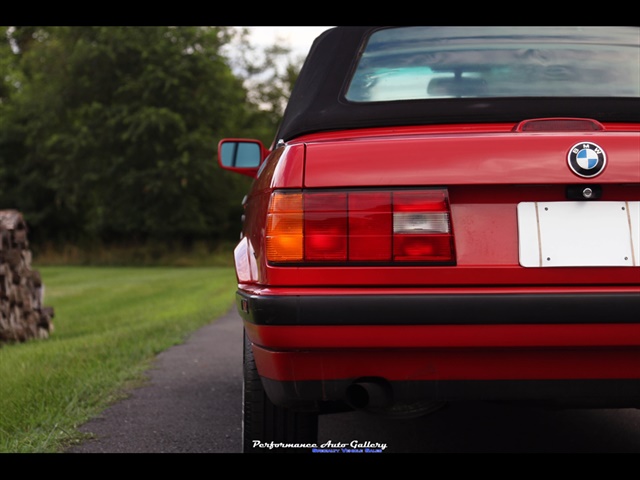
(412, 222)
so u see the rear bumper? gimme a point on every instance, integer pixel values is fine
(335, 395)
(561, 348)
(312, 378)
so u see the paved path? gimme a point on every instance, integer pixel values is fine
(191, 403)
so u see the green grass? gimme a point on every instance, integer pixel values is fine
(109, 325)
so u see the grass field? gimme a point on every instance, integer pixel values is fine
(109, 325)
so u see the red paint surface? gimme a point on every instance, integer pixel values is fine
(487, 170)
(451, 364)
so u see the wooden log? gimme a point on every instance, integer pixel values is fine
(22, 313)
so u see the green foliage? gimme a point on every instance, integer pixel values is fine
(151, 254)
(269, 76)
(110, 133)
(109, 324)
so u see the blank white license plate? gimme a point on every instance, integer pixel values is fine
(579, 234)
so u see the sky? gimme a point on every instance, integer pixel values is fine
(299, 39)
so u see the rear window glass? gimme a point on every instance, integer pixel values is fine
(409, 63)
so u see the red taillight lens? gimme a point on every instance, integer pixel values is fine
(559, 125)
(369, 226)
(325, 227)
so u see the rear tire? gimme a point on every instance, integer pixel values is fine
(265, 424)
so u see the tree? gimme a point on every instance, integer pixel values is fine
(110, 133)
(269, 76)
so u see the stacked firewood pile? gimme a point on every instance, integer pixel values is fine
(22, 314)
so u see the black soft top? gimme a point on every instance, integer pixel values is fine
(317, 102)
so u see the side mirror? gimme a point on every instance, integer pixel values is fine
(241, 155)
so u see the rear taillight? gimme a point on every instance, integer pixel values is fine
(368, 226)
(284, 228)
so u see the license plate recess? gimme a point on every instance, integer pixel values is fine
(579, 234)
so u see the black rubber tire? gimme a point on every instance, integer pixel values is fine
(265, 424)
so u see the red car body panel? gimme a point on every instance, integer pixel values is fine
(437, 159)
(483, 215)
(483, 208)
(483, 318)
(451, 364)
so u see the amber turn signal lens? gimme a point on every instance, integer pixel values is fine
(284, 233)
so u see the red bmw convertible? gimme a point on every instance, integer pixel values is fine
(446, 214)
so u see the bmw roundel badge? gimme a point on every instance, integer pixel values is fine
(587, 159)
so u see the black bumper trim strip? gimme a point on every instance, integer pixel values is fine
(440, 309)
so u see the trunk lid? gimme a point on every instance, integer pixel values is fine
(494, 178)
(489, 158)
